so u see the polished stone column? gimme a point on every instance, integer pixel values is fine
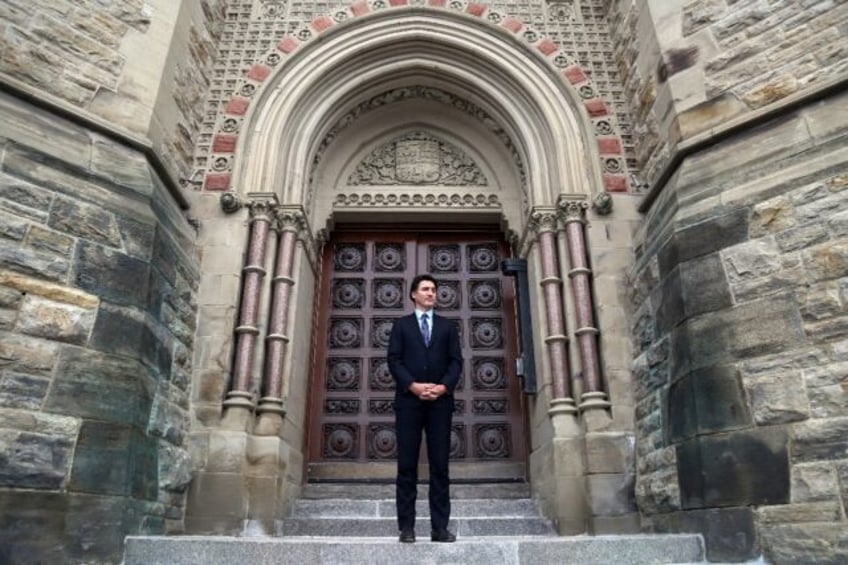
(572, 212)
(271, 410)
(240, 397)
(556, 340)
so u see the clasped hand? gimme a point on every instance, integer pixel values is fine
(427, 391)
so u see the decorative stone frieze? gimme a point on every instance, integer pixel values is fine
(416, 200)
(418, 158)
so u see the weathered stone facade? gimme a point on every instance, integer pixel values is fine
(709, 135)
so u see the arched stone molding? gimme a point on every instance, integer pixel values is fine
(522, 80)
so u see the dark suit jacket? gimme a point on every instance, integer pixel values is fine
(411, 361)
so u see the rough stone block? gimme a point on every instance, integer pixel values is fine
(118, 330)
(704, 285)
(32, 527)
(137, 237)
(27, 355)
(755, 328)
(729, 533)
(829, 511)
(85, 221)
(705, 401)
(823, 544)
(101, 387)
(820, 440)
(111, 275)
(102, 461)
(58, 321)
(34, 263)
(18, 390)
(12, 228)
(737, 468)
(706, 237)
(96, 527)
(49, 241)
(778, 399)
(827, 261)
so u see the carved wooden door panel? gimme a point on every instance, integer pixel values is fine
(365, 288)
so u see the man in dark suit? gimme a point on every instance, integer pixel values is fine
(425, 359)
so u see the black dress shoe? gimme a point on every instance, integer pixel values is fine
(443, 536)
(407, 536)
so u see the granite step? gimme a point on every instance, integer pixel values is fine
(386, 508)
(378, 527)
(376, 491)
(512, 550)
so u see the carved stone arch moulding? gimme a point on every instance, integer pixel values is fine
(218, 173)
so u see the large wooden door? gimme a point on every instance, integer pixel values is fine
(365, 287)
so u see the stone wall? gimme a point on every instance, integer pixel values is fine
(140, 66)
(97, 318)
(689, 66)
(740, 294)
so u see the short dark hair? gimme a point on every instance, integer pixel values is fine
(413, 286)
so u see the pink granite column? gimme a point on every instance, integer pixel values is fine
(240, 396)
(271, 410)
(573, 214)
(556, 339)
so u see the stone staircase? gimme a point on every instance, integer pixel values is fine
(356, 524)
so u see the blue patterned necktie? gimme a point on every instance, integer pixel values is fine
(425, 329)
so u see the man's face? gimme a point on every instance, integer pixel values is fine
(425, 295)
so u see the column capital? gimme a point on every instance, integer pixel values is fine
(572, 207)
(543, 219)
(261, 205)
(290, 218)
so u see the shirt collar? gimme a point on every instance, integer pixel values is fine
(419, 313)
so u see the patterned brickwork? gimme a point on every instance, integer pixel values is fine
(575, 41)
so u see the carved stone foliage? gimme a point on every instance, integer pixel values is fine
(428, 200)
(486, 333)
(388, 293)
(381, 406)
(349, 257)
(348, 293)
(489, 406)
(343, 373)
(485, 294)
(487, 373)
(389, 257)
(380, 330)
(379, 378)
(337, 406)
(482, 258)
(340, 441)
(448, 295)
(491, 441)
(458, 448)
(382, 441)
(444, 258)
(418, 158)
(345, 333)
(458, 406)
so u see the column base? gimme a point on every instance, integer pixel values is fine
(563, 414)
(595, 410)
(270, 412)
(238, 411)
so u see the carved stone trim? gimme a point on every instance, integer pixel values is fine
(416, 200)
(418, 158)
(426, 93)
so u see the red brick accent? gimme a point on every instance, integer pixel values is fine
(609, 145)
(615, 183)
(217, 181)
(398, 2)
(360, 8)
(321, 23)
(438, 3)
(224, 143)
(475, 9)
(547, 46)
(237, 106)
(513, 24)
(596, 107)
(258, 72)
(288, 44)
(575, 75)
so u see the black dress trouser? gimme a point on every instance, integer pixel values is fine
(433, 417)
